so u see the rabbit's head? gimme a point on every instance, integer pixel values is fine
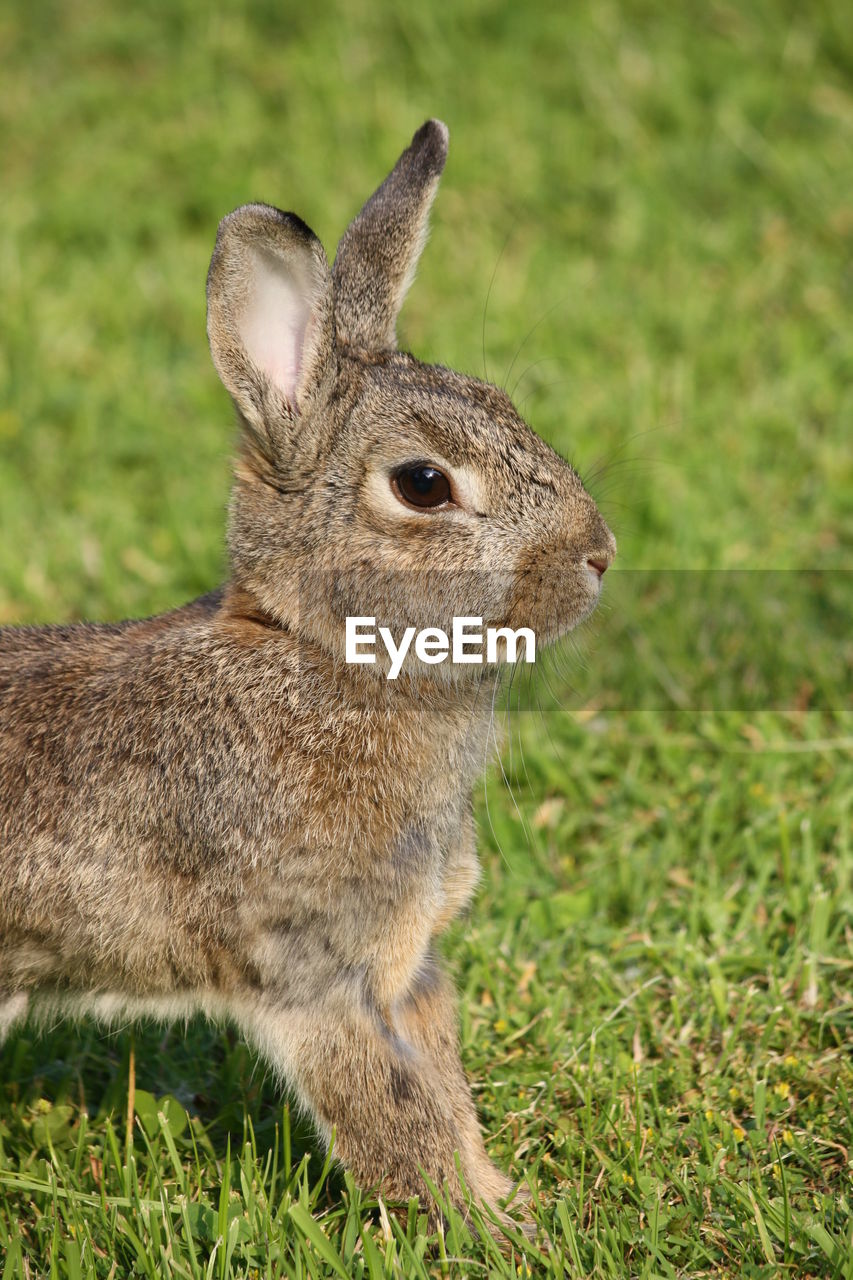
(368, 483)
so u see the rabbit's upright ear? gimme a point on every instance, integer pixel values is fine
(379, 251)
(270, 321)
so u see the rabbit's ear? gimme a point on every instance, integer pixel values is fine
(270, 320)
(379, 251)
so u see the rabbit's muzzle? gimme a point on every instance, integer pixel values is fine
(558, 585)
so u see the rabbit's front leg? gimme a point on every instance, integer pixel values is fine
(389, 1104)
(460, 873)
(427, 1020)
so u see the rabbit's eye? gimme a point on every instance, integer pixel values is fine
(422, 486)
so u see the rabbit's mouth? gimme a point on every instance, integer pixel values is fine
(553, 596)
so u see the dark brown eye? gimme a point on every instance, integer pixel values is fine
(422, 485)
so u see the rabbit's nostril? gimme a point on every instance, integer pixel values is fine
(598, 565)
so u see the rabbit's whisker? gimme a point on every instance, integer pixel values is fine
(488, 297)
(530, 332)
(535, 365)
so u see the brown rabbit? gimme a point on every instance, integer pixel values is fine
(213, 810)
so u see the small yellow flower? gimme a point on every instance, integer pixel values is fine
(627, 1179)
(782, 1088)
(501, 1026)
(709, 1115)
(733, 1092)
(791, 1060)
(737, 1133)
(787, 1137)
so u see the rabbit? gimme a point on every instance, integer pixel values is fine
(211, 810)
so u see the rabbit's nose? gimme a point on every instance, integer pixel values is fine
(603, 547)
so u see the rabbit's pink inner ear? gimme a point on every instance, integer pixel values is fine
(274, 322)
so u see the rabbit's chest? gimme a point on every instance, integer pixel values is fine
(387, 860)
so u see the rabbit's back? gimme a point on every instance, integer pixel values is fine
(81, 711)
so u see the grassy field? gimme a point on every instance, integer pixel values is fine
(644, 230)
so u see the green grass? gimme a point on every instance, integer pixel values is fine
(656, 975)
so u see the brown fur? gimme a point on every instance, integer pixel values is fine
(212, 810)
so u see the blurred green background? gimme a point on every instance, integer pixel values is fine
(644, 230)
